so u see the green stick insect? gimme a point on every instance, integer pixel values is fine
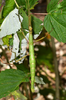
(32, 61)
(32, 57)
(31, 50)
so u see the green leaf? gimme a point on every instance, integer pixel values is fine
(1, 20)
(10, 79)
(20, 35)
(37, 25)
(11, 41)
(44, 56)
(24, 3)
(6, 39)
(21, 67)
(0, 2)
(63, 4)
(36, 22)
(55, 22)
(18, 95)
(25, 22)
(52, 5)
(9, 6)
(32, 3)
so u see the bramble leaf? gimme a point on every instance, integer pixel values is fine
(55, 21)
(24, 3)
(10, 79)
(37, 25)
(9, 6)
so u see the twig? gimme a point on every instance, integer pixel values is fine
(42, 14)
(56, 69)
(22, 29)
(16, 4)
(41, 38)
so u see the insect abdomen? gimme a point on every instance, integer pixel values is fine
(32, 61)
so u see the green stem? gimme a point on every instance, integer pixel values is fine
(16, 4)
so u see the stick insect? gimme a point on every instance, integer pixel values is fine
(32, 61)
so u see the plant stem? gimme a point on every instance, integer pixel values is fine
(16, 4)
(56, 66)
(42, 14)
(41, 38)
(56, 69)
(22, 29)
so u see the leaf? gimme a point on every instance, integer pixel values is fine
(11, 41)
(20, 36)
(25, 22)
(55, 21)
(36, 22)
(18, 95)
(24, 3)
(11, 24)
(21, 67)
(32, 3)
(9, 6)
(52, 5)
(63, 4)
(44, 56)
(1, 20)
(6, 39)
(36, 25)
(10, 79)
(39, 80)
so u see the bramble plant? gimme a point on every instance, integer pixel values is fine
(18, 27)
